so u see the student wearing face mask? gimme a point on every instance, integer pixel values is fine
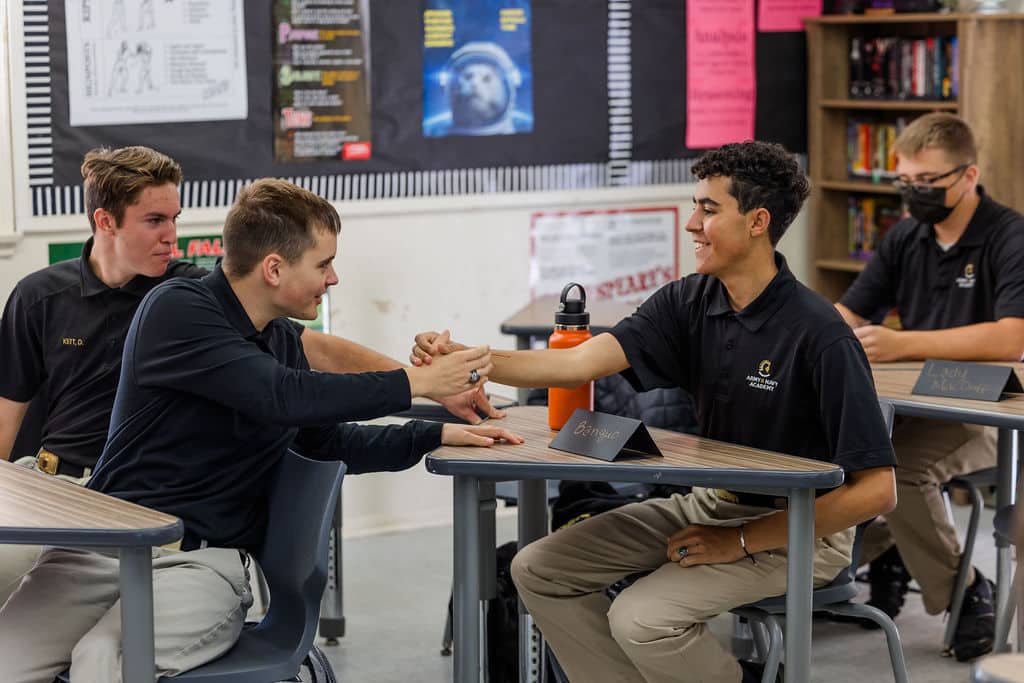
(954, 271)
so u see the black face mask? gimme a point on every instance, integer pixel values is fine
(928, 203)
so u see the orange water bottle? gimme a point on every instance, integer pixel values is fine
(572, 327)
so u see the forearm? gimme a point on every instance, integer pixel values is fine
(11, 415)
(980, 342)
(539, 368)
(328, 353)
(837, 510)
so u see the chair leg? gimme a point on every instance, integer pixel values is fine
(1002, 643)
(956, 602)
(449, 633)
(762, 646)
(776, 647)
(892, 636)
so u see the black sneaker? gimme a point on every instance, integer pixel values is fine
(889, 579)
(975, 631)
(752, 672)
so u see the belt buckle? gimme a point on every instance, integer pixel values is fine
(727, 496)
(47, 462)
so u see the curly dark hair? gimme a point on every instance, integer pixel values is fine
(761, 175)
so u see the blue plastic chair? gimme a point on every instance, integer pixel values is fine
(294, 561)
(833, 597)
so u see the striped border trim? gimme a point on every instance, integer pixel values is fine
(38, 95)
(620, 91)
(67, 200)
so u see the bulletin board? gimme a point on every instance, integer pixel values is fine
(582, 134)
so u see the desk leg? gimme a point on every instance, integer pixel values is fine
(533, 524)
(467, 580)
(136, 580)
(1008, 453)
(522, 344)
(799, 583)
(487, 505)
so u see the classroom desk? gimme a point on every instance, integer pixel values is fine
(894, 382)
(687, 460)
(37, 509)
(537, 319)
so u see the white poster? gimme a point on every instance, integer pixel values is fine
(622, 255)
(155, 61)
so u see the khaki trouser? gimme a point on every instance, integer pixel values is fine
(654, 630)
(68, 611)
(16, 560)
(929, 453)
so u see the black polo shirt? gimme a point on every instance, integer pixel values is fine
(785, 374)
(979, 279)
(207, 404)
(62, 325)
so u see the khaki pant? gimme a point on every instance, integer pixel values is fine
(654, 630)
(16, 560)
(929, 453)
(68, 611)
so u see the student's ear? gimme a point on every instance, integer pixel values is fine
(760, 219)
(104, 220)
(270, 267)
(971, 174)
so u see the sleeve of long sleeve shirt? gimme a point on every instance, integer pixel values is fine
(371, 448)
(181, 340)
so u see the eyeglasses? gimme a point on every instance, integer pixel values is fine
(904, 183)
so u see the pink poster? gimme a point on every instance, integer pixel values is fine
(720, 73)
(785, 15)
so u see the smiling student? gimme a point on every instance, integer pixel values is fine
(771, 365)
(214, 389)
(63, 327)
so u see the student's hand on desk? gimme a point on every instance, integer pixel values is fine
(705, 545)
(466, 405)
(480, 435)
(880, 343)
(431, 344)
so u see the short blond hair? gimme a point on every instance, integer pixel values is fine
(274, 216)
(939, 130)
(114, 178)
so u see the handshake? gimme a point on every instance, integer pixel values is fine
(454, 370)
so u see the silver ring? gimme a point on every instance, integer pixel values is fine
(683, 552)
(474, 376)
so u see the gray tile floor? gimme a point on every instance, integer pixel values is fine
(397, 587)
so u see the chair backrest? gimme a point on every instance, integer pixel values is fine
(889, 416)
(294, 557)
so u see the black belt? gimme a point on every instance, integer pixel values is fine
(51, 463)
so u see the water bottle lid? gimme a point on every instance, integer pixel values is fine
(572, 311)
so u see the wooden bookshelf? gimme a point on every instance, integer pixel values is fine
(990, 99)
(891, 105)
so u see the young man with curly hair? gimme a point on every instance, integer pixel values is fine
(741, 314)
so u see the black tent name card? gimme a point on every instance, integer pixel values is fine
(976, 381)
(605, 437)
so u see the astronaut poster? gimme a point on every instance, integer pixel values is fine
(155, 61)
(321, 80)
(477, 75)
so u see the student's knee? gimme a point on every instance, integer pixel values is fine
(526, 569)
(638, 621)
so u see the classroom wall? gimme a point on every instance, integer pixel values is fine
(410, 265)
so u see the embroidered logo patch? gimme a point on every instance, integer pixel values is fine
(966, 281)
(762, 380)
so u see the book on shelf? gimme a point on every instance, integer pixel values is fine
(868, 220)
(904, 68)
(871, 149)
